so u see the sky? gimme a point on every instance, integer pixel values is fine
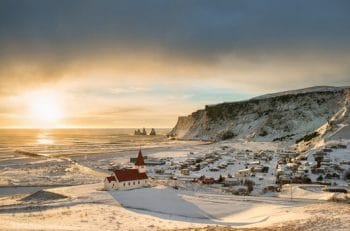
(144, 63)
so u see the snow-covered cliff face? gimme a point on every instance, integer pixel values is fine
(287, 116)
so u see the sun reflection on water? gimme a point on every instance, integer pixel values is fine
(44, 139)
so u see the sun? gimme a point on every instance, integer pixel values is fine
(45, 108)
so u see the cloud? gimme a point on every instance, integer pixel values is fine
(45, 41)
(129, 89)
(190, 27)
(176, 55)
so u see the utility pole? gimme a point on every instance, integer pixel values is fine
(291, 191)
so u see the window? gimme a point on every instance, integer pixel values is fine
(123, 184)
(129, 183)
(133, 183)
(138, 182)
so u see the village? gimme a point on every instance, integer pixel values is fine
(227, 169)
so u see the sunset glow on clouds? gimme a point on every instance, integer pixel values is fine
(143, 63)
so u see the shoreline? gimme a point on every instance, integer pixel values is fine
(75, 169)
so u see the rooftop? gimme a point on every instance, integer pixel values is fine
(126, 174)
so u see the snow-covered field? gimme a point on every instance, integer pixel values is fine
(87, 207)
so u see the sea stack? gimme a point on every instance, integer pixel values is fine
(153, 132)
(137, 132)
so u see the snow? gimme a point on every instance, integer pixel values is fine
(343, 133)
(273, 117)
(302, 91)
(164, 201)
(305, 192)
(89, 208)
(174, 154)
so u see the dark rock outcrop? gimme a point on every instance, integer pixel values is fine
(153, 132)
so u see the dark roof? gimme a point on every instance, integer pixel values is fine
(129, 174)
(140, 161)
(110, 178)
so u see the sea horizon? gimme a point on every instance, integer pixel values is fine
(76, 141)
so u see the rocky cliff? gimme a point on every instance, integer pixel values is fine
(285, 116)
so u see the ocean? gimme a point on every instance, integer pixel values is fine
(62, 142)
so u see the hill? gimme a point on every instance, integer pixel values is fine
(284, 116)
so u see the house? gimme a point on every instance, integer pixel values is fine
(208, 180)
(128, 178)
(284, 179)
(260, 168)
(185, 171)
(231, 182)
(254, 162)
(243, 173)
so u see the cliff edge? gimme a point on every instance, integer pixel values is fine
(284, 116)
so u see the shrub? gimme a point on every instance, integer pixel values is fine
(221, 179)
(308, 137)
(227, 135)
(347, 175)
(249, 184)
(263, 132)
(265, 169)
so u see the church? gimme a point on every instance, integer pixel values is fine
(128, 178)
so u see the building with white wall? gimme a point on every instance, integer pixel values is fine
(128, 178)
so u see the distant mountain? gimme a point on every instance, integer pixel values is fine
(284, 116)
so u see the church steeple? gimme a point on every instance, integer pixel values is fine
(140, 162)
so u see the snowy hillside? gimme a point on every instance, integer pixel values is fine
(285, 116)
(301, 91)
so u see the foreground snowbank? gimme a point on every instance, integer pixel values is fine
(87, 207)
(168, 203)
(164, 202)
(313, 192)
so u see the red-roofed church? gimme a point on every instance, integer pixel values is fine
(128, 178)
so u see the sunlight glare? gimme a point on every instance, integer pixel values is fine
(45, 108)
